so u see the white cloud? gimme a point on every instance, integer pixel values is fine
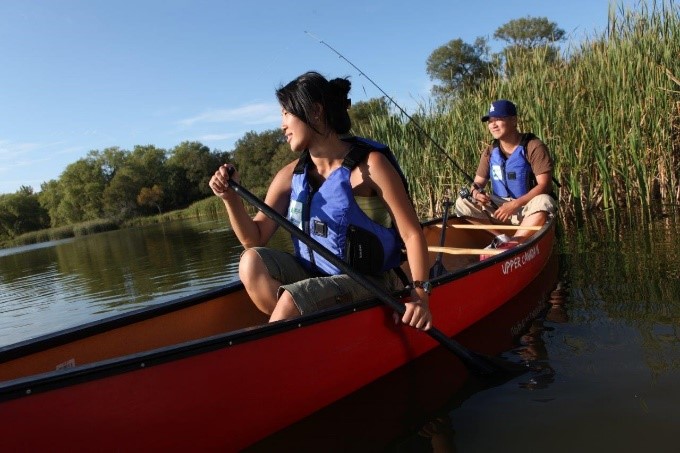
(9, 150)
(217, 137)
(259, 113)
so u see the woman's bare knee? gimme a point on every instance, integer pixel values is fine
(285, 308)
(261, 287)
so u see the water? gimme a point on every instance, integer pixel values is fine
(50, 286)
(604, 346)
(605, 366)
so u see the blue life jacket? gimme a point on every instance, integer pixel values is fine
(331, 216)
(511, 177)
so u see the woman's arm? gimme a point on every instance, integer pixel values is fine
(381, 176)
(256, 231)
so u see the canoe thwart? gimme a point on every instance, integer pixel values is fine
(470, 226)
(464, 251)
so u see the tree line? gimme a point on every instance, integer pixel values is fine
(118, 184)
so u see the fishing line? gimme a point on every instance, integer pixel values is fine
(403, 112)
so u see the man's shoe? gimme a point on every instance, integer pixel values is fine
(502, 241)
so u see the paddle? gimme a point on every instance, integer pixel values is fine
(438, 267)
(477, 363)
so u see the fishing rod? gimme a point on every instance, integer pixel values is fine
(403, 112)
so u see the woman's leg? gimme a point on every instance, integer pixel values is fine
(258, 282)
(285, 308)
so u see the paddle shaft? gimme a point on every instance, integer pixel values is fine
(438, 268)
(474, 361)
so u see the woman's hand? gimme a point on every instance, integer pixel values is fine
(219, 181)
(417, 314)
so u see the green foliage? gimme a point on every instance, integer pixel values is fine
(282, 156)
(94, 226)
(120, 184)
(120, 196)
(64, 232)
(529, 32)
(82, 185)
(111, 160)
(252, 155)
(529, 38)
(190, 167)
(21, 212)
(50, 197)
(459, 66)
(362, 112)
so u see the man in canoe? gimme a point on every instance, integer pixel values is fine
(520, 169)
(342, 194)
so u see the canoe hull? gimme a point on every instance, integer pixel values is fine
(228, 391)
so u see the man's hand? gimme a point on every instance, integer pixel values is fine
(507, 210)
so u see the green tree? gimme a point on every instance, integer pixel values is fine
(525, 37)
(459, 66)
(21, 212)
(362, 112)
(190, 167)
(145, 166)
(253, 154)
(149, 165)
(50, 197)
(283, 156)
(111, 160)
(82, 184)
(530, 32)
(120, 196)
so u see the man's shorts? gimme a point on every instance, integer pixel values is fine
(312, 293)
(540, 203)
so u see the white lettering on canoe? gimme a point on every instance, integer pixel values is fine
(520, 260)
(70, 363)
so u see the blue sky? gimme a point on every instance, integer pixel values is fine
(83, 75)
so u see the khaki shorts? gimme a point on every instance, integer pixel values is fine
(540, 203)
(312, 293)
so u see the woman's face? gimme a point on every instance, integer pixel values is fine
(298, 134)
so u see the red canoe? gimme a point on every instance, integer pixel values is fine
(207, 372)
(404, 403)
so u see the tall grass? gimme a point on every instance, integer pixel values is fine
(208, 208)
(609, 112)
(64, 232)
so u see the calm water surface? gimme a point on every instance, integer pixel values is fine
(46, 287)
(601, 336)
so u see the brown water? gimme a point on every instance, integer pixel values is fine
(600, 333)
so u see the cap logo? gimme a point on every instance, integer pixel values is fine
(491, 109)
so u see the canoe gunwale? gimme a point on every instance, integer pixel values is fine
(80, 331)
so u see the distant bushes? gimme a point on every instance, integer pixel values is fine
(64, 232)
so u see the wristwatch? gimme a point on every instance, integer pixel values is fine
(425, 286)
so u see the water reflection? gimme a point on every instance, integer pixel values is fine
(66, 283)
(533, 350)
(631, 277)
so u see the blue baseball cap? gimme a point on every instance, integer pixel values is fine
(500, 109)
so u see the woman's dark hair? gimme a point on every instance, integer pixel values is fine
(299, 96)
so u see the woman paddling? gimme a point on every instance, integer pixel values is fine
(340, 194)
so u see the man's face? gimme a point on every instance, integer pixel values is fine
(501, 128)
